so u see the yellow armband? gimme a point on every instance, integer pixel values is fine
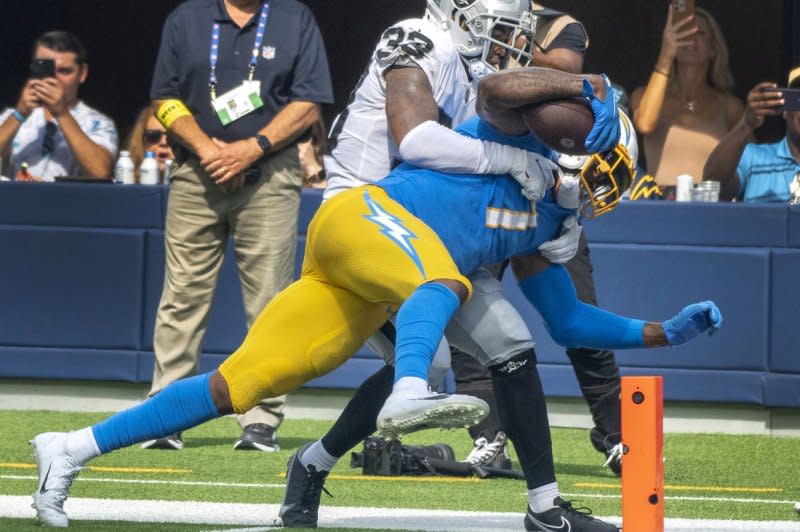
(170, 111)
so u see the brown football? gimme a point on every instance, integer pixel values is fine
(561, 124)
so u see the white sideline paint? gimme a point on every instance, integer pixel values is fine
(230, 514)
(257, 485)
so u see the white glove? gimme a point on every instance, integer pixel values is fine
(563, 248)
(535, 172)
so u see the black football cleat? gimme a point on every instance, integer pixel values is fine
(304, 487)
(611, 446)
(562, 517)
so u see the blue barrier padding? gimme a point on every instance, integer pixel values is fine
(782, 390)
(794, 227)
(692, 224)
(79, 363)
(785, 311)
(655, 282)
(85, 262)
(70, 287)
(81, 205)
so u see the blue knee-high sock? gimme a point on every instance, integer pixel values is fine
(420, 325)
(180, 406)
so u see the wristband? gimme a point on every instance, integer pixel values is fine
(21, 118)
(170, 111)
(657, 71)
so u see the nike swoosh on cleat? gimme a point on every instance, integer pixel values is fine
(563, 527)
(44, 482)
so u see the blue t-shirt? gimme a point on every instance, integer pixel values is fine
(766, 171)
(291, 66)
(481, 219)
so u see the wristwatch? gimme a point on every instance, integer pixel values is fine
(264, 144)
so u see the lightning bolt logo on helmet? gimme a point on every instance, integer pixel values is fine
(394, 229)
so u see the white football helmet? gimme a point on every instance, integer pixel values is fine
(477, 25)
(605, 177)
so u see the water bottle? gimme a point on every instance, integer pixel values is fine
(124, 171)
(148, 172)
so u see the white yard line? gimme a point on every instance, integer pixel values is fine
(229, 514)
(256, 485)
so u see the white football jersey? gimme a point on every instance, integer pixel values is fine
(361, 148)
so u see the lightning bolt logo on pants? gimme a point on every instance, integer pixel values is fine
(394, 229)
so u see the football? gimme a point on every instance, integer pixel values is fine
(562, 125)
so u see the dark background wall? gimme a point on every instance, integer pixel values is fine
(123, 38)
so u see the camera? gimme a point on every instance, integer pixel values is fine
(391, 458)
(42, 68)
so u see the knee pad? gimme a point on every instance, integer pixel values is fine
(521, 362)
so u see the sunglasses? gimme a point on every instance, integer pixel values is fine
(49, 141)
(153, 136)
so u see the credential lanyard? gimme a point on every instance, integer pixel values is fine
(262, 26)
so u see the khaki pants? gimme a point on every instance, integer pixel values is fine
(262, 220)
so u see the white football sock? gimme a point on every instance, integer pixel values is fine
(317, 456)
(82, 446)
(410, 387)
(541, 499)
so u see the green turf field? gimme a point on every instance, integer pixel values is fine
(707, 476)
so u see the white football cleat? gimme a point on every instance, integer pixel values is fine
(57, 470)
(402, 414)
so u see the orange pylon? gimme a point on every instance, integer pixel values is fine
(643, 454)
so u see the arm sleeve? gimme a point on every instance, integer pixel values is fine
(572, 323)
(166, 77)
(435, 147)
(312, 79)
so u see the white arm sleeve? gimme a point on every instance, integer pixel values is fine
(435, 147)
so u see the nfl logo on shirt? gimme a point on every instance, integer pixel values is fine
(268, 52)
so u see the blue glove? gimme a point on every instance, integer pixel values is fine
(605, 133)
(691, 321)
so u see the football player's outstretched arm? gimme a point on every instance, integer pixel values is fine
(573, 323)
(501, 95)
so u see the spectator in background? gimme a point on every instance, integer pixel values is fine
(759, 172)
(235, 111)
(149, 135)
(51, 129)
(686, 106)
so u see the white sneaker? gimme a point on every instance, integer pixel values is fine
(57, 470)
(487, 452)
(402, 414)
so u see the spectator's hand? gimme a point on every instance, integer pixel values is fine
(760, 104)
(28, 100)
(605, 131)
(234, 184)
(676, 36)
(692, 321)
(51, 93)
(231, 159)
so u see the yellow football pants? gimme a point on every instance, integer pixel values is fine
(365, 255)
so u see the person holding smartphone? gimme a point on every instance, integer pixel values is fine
(687, 105)
(50, 128)
(761, 172)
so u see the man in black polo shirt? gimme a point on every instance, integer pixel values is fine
(236, 83)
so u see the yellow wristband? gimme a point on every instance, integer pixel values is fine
(170, 111)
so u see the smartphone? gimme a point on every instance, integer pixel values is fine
(42, 68)
(791, 98)
(681, 9)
